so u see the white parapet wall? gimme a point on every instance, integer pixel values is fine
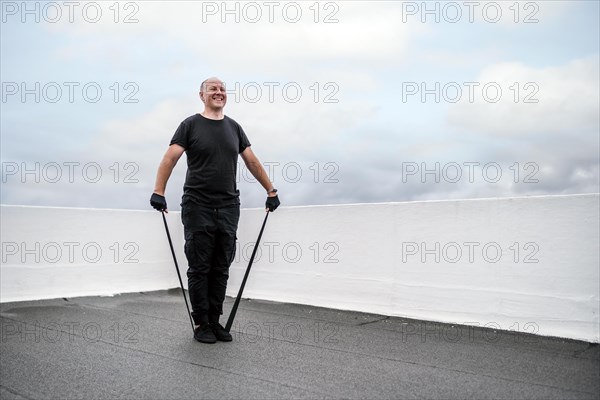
(526, 264)
(68, 252)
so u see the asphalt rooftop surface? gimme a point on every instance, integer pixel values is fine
(140, 345)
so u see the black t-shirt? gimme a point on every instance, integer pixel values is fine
(212, 148)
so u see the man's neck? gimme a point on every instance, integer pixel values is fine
(213, 114)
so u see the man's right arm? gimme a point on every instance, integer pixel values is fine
(168, 162)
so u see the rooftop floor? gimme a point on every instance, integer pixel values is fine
(140, 345)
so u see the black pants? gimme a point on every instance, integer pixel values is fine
(210, 237)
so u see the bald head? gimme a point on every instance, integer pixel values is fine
(214, 97)
(214, 80)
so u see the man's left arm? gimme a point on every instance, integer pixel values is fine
(257, 170)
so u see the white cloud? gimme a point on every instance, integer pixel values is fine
(559, 100)
(363, 31)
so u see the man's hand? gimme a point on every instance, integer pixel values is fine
(272, 203)
(158, 202)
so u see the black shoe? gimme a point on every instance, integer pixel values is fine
(204, 334)
(220, 333)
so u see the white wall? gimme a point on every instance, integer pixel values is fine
(528, 264)
(67, 252)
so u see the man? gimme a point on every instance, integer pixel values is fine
(210, 207)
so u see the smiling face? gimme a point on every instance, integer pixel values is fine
(213, 94)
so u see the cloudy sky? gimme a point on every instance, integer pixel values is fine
(344, 101)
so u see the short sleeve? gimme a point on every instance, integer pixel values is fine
(181, 136)
(243, 139)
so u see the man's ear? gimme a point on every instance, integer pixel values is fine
(201, 98)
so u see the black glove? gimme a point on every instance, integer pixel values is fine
(272, 203)
(158, 202)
